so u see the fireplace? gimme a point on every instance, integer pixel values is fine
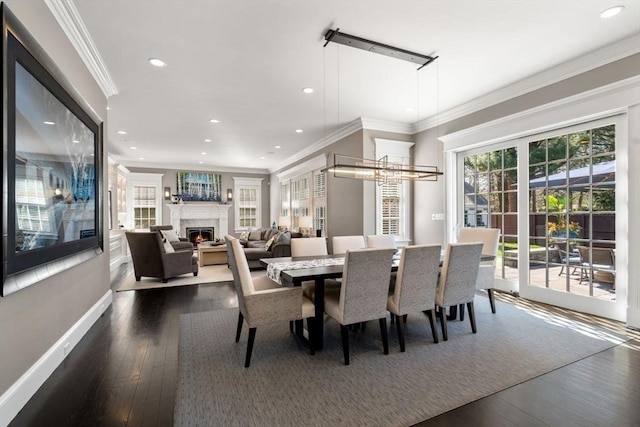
(199, 234)
(200, 215)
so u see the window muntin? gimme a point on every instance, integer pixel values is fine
(144, 206)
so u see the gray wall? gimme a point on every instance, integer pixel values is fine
(33, 319)
(169, 179)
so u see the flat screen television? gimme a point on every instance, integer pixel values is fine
(52, 157)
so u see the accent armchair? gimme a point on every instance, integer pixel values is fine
(151, 259)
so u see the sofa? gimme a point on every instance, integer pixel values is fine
(259, 244)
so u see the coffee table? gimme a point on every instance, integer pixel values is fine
(212, 255)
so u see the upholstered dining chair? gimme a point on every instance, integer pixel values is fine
(489, 237)
(261, 303)
(457, 284)
(363, 294)
(381, 241)
(308, 246)
(415, 288)
(340, 244)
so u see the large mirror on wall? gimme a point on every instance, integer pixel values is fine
(52, 151)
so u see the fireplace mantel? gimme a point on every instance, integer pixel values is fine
(200, 214)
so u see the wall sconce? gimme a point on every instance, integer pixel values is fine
(167, 193)
(229, 195)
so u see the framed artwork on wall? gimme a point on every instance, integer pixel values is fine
(199, 187)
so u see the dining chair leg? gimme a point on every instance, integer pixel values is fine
(363, 326)
(432, 322)
(472, 316)
(252, 337)
(492, 300)
(461, 309)
(400, 329)
(404, 318)
(444, 325)
(291, 326)
(344, 331)
(239, 328)
(383, 333)
(311, 327)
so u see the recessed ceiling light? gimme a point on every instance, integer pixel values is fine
(75, 141)
(157, 62)
(299, 131)
(122, 132)
(262, 158)
(207, 140)
(133, 148)
(140, 158)
(612, 11)
(307, 90)
(200, 162)
(108, 108)
(214, 121)
(276, 146)
(49, 123)
(203, 153)
(408, 109)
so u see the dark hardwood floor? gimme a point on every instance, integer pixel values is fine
(123, 372)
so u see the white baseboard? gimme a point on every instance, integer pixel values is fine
(633, 317)
(14, 399)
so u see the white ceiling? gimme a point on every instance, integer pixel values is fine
(245, 63)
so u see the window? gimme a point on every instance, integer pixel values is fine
(144, 206)
(143, 200)
(319, 201)
(248, 204)
(31, 206)
(393, 198)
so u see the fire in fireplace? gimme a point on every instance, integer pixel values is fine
(199, 234)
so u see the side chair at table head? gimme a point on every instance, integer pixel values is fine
(489, 237)
(415, 287)
(340, 244)
(457, 284)
(363, 294)
(267, 305)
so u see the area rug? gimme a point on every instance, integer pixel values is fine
(285, 386)
(207, 274)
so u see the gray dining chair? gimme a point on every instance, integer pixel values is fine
(415, 287)
(457, 284)
(489, 237)
(363, 294)
(260, 303)
(340, 244)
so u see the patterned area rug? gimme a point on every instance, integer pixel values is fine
(286, 386)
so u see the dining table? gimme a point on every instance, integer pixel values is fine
(293, 271)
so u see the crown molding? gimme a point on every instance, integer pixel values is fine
(71, 23)
(191, 167)
(563, 71)
(351, 127)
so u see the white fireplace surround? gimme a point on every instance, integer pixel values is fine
(200, 214)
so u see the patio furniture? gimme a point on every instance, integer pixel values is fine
(594, 260)
(569, 256)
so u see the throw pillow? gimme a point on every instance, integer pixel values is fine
(168, 249)
(244, 235)
(255, 235)
(170, 235)
(269, 243)
(284, 238)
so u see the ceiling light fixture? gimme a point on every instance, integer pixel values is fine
(49, 123)
(611, 12)
(382, 171)
(299, 131)
(75, 141)
(276, 146)
(214, 121)
(133, 148)
(157, 62)
(336, 36)
(307, 90)
(207, 140)
(122, 132)
(203, 153)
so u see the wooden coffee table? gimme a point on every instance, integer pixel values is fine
(212, 255)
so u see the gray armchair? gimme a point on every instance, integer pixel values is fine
(151, 260)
